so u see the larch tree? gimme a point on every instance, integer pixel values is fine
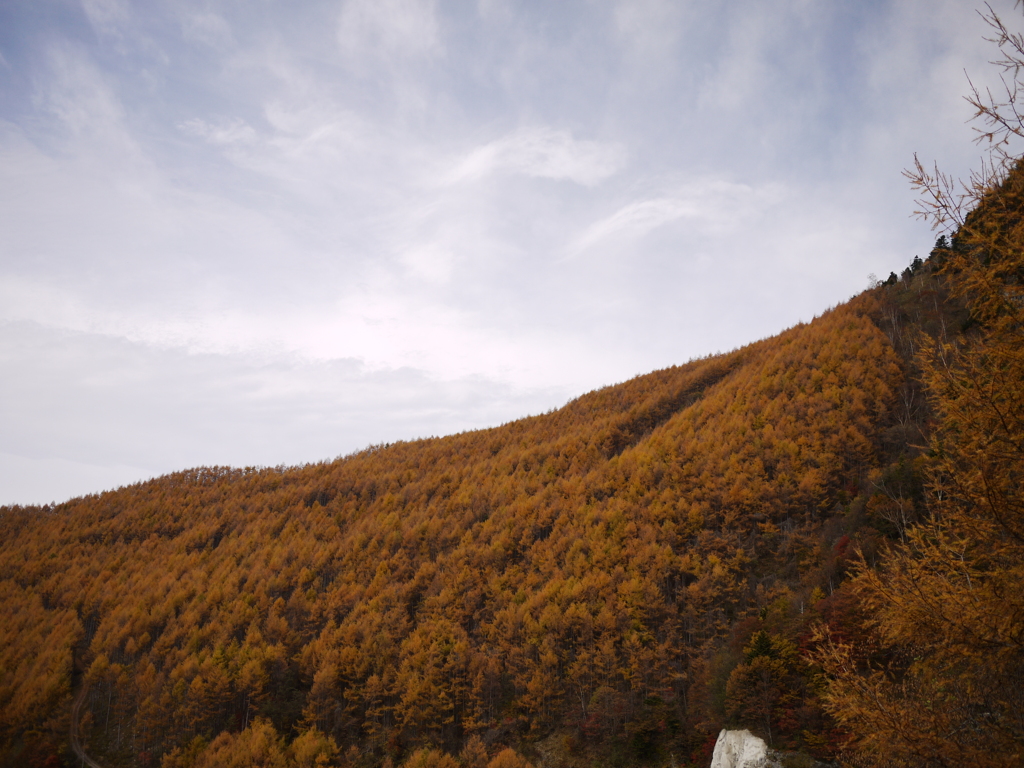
(947, 606)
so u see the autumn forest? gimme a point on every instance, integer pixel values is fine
(818, 537)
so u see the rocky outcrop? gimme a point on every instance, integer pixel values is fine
(741, 749)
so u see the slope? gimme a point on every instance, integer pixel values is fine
(591, 576)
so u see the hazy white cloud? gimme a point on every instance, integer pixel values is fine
(431, 262)
(168, 408)
(48, 478)
(711, 205)
(650, 30)
(108, 17)
(78, 95)
(315, 133)
(228, 132)
(313, 148)
(208, 28)
(543, 153)
(636, 219)
(389, 28)
(264, 234)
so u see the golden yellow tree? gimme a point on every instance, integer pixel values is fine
(947, 605)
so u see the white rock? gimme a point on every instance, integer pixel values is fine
(740, 749)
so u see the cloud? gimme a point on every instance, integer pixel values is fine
(228, 132)
(63, 393)
(389, 29)
(107, 17)
(320, 222)
(312, 147)
(79, 96)
(46, 478)
(708, 205)
(431, 262)
(542, 153)
(208, 28)
(315, 131)
(649, 29)
(637, 219)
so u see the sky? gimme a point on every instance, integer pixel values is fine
(270, 233)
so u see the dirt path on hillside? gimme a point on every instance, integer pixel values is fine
(76, 744)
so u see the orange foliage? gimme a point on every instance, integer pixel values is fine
(579, 569)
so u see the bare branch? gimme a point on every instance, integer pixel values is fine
(999, 125)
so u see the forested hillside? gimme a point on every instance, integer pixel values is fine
(611, 582)
(819, 537)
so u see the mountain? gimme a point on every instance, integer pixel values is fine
(608, 583)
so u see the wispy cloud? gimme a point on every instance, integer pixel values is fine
(378, 214)
(78, 95)
(208, 28)
(636, 219)
(389, 28)
(710, 204)
(108, 17)
(542, 153)
(228, 132)
(170, 409)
